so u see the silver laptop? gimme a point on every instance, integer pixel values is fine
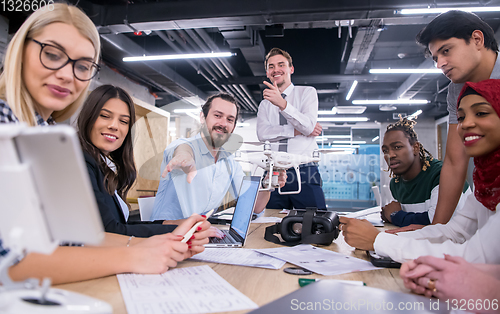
(237, 233)
(330, 296)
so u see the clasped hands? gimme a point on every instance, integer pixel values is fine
(449, 278)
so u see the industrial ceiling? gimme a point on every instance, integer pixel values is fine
(332, 44)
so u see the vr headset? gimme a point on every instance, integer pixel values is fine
(308, 226)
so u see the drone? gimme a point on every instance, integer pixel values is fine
(274, 161)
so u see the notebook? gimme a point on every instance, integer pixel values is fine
(237, 233)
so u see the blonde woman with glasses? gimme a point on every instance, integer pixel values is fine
(47, 69)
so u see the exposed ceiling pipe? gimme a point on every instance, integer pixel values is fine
(237, 94)
(195, 47)
(177, 49)
(213, 47)
(180, 42)
(230, 89)
(204, 48)
(234, 89)
(223, 69)
(121, 41)
(249, 100)
(210, 81)
(247, 92)
(243, 95)
(413, 79)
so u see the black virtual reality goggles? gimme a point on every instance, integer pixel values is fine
(307, 226)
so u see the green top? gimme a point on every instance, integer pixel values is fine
(417, 190)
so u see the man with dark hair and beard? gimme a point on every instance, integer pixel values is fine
(197, 172)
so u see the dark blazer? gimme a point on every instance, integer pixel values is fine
(111, 212)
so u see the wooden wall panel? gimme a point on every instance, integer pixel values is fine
(150, 136)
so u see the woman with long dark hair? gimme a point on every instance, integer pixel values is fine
(105, 125)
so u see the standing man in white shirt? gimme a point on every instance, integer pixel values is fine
(288, 115)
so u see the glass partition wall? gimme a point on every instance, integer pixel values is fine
(349, 166)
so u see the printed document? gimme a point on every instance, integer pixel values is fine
(266, 220)
(241, 257)
(182, 290)
(360, 214)
(320, 261)
(371, 214)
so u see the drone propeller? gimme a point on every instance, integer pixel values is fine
(250, 151)
(263, 143)
(326, 151)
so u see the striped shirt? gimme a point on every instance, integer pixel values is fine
(8, 116)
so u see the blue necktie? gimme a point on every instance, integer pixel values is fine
(283, 147)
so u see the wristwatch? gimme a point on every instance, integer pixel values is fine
(264, 184)
(394, 214)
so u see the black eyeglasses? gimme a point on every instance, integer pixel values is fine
(53, 58)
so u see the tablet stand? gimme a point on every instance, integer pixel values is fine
(23, 228)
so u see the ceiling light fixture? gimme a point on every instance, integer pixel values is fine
(343, 110)
(375, 138)
(344, 146)
(193, 113)
(186, 111)
(414, 115)
(391, 102)
(441, 10)
(387, 108)
(405, 71)
(349, 142)
(337, 136)
(351, 90)
(327, 91)
(180, 56)
(328, 112)
(325, 137)
(336, 151)
(343, 119)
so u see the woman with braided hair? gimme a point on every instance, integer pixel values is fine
(415, 176)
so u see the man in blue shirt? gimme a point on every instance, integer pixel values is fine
(198, 172)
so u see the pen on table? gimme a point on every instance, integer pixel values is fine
(305, 281)
(188, 234)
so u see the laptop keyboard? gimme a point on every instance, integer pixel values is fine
(227, 239)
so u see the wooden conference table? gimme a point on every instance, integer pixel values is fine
(260, 285)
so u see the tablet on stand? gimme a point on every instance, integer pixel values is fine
(46, 199)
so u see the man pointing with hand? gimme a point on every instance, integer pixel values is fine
(197, 172)
(287, 117)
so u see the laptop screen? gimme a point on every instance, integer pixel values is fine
(245, 204)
